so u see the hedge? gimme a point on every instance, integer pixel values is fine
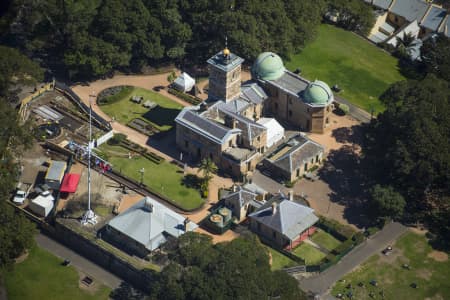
(185, 97)
(339, 231)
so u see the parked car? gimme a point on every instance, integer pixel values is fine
(19, 197)
(387, 250)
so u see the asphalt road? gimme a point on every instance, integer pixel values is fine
(356, 112)
(79, 262)
(321, 283)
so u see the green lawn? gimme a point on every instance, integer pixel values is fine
(280, 261)
(325, 240)
(123, 110)
(341, 57)
(165, 178)
(430, 275)
(41, 276)
(310, 254)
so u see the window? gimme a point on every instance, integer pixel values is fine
(306, 166)
(298, 172)
(290, 100)
(274, 234)
(211, 156)
(312, 160)
(186, 144)
(317, 158)
(276, 106)
(290, 113)
(230, 143)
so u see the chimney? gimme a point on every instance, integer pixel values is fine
(274, 208)
(235, 188)
(291, 195)
(186, 224)
(234, 123)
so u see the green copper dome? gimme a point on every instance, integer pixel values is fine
(318, 93)
(268, 66)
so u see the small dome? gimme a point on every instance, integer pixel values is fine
(226, 51)
(319, 93)
(268, 66)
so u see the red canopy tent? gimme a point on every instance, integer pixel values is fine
(70, 183)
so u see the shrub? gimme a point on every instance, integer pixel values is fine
(185, 97)
(339, 231)
(117, 139)
(289, 184)
(372, 230)
(344, 108)
(358, 238)
(343, 248)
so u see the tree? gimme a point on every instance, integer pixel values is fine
(233, 270)
(435, 54)
(408, 145)
(16, 68)
(386, 202)
(207, 167)
(354, 15)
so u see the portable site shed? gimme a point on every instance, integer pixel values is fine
(42, 205)
(55, 174)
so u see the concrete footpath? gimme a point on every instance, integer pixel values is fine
(79, 262)
(321, 283)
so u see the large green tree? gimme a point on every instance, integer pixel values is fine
(386, 202)
(408, 145)
(435, 54)
(234, 270)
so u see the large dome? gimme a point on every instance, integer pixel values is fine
(268, 66)
(318, 93)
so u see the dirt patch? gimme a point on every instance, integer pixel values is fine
(438, 256)
(435, 297)
(22, 257)
(92, 288)
(396, 254)
(424, 273)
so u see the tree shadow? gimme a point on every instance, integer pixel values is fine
(344, 174)
(162, 116)
(191, 181)
(351, 134)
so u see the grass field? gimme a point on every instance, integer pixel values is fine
(340, 57)
(310, 254)
(429, 270)
(123, 110)
(41, 276)
(325, 240)
(280, 261)
(165, 178)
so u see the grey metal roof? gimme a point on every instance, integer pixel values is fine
(253, 93)
(291, 83)
(409, 9)
(302, 151)
(445, 27)
(240, 197)
(55, 170)
(289, 219)
(254, 188)
(225, 63)
(203, 126)
(378, 37)
(384, 4)
(148, 221)
(250, 129)
(434, 18)
(237, 105)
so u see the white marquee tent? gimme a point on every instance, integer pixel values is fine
(184, 82)
(42, 205)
